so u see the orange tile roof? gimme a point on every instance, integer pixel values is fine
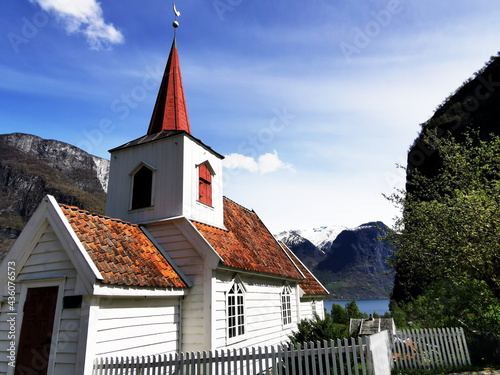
(310, 285)
(121, 251)
(247, 244)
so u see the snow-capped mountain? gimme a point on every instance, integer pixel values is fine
(321, 237)
(310, 245)
(350, 261)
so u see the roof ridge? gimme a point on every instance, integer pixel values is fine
(75, 208)
(236, 203)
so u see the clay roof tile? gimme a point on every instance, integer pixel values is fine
(247, 244)
(112, 243)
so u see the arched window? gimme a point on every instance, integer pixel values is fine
(236, 311)
(286, 305)
(205, 185)
(142, 188)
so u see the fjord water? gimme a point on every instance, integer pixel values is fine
(368, 306)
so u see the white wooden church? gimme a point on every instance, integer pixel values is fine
(174, 265)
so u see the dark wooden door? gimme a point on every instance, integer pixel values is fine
(36, 331)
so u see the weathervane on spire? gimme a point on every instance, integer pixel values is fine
(175, 24)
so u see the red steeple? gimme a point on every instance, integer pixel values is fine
(170, 111)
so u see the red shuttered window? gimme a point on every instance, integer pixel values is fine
(205, 185)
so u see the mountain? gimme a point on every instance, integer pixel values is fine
(310, 245)
(350, 263)
(31, 167)
(356, 266)
(307, 252)
(323, 237)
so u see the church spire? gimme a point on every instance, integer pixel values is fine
(170, 112)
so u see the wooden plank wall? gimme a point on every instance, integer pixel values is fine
(262, 311)
(196, 305)
(138, 326)
(48, 260)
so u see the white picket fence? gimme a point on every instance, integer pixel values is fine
(430, 349)
(340, 358)
(373, 355)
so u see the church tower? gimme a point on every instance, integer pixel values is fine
(166, 173)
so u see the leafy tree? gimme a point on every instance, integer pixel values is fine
(398, 315)
(339, 315)
(448, 238)
(352, 311)
(312, 330)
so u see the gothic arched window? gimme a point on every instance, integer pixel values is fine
(142, 188)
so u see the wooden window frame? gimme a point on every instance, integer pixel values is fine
(133, 192)
(286, 305)
(236, 313)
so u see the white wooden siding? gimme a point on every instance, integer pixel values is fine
(166, 156)
(137, 326)
(194, 155)
(196, 305)
(264, 325)
(175, 189)
(306, 310)
(48, 260)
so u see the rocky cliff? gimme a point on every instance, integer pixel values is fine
(31, 167)
(357, 264)
(352, 265)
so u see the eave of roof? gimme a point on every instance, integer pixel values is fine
(247, 244)
(121, 251)
(310, 285)
(162, 135)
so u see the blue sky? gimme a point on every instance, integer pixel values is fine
(313, 103)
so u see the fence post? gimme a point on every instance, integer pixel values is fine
(380, 353)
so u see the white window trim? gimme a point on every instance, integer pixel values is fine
(286, 292)
(153, 177)
(242, 337)
(59, 282)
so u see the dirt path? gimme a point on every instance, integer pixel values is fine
(488, 371)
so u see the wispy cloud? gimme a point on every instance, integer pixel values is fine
(266, 163)
(84, 17)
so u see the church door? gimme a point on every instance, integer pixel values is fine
(36, 331)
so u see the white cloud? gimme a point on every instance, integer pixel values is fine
(85, 17)
(266, 163)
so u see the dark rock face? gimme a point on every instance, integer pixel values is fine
(32, 167)
(357, 264)
(353, 266)
(307, 252)
(87, 172)
(358, 248)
